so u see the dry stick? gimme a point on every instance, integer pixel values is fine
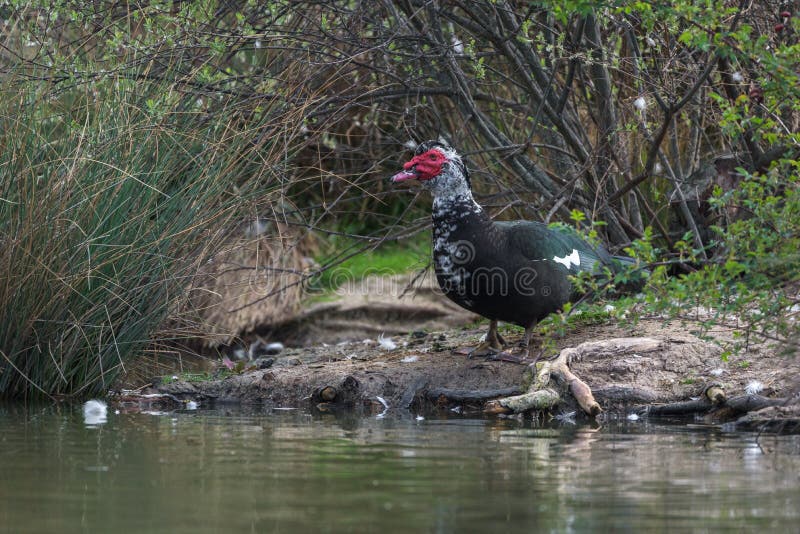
(672, 109)
(578, 388)
(532, 175)
(464, 100)
(526, 60)
(626, 394)
(684, 206)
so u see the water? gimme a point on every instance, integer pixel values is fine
(288, 471)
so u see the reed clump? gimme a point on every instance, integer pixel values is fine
(110, 206)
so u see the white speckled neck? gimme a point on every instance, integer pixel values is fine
(453, 209)
(452, 196)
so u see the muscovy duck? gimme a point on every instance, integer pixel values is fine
(516, 272)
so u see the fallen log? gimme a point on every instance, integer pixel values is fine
(714, 403)
(476, 396)
(626, 394)
(738, 406)
(690, 407)
(712, 396)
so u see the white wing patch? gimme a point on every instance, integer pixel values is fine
(569, 260)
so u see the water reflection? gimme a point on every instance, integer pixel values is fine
(228, 470)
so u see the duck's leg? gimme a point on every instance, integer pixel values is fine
(493, 343)
(526, 345)
(526, 339)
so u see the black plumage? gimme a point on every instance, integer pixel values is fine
(516, 272)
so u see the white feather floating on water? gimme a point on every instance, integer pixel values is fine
(95, 412)
(386, 343)
(385, 407)
(633, 417)
(566, 417)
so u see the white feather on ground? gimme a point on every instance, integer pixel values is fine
(386, 343)
(754, 387)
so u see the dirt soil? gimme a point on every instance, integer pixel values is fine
(338, 363)
(428, 371)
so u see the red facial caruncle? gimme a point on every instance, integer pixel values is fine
(422, 167)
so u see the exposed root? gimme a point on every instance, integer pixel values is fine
(541, 396)
(539, 400)
(611, 347)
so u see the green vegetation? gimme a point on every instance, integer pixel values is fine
(107, 210)
(198, 377)
(750, 282)
(137, 137)
(116, 186)
(388, 259)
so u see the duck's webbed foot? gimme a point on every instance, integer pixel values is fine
(529, 351)
(492, 345)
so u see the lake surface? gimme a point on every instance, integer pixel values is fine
(234, 470)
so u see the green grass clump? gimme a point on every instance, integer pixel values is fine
(109, 205)
(387, 260)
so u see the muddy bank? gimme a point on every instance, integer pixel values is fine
(426, 372)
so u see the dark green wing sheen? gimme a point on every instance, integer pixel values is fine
(536, 241)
